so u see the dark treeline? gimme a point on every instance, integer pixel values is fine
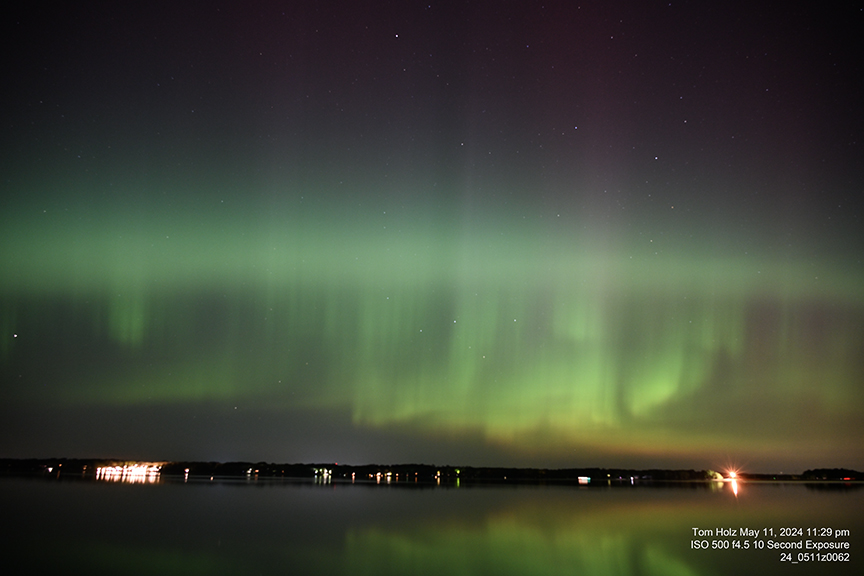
(424, 472)
(399, 472)
(832, 474)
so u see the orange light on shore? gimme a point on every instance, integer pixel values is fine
(732, 478)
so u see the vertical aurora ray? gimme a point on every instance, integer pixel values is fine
(534, 338)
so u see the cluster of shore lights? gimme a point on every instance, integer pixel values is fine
(323, 476)
(136, 472)
(391, 477)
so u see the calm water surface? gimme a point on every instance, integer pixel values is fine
(221, 527)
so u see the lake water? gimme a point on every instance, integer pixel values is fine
(235, 527)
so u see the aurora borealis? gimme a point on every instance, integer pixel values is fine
(472, 233)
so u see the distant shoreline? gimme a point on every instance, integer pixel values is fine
(400, 473)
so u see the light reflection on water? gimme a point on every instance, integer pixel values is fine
(337, 528)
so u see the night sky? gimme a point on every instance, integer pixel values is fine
(478, 233)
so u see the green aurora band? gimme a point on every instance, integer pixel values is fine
(539, 335)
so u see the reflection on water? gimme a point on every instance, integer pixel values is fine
(213, 527)
(646, 532)
(511, 544)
